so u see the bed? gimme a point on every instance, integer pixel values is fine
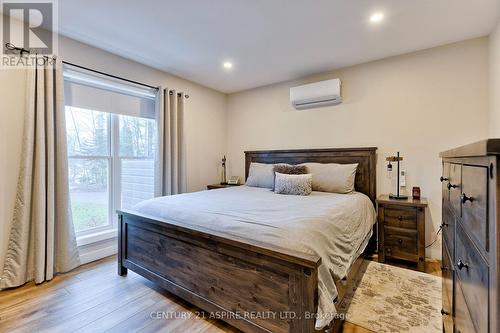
(253, 258)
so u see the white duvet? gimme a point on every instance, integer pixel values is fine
(332, 226)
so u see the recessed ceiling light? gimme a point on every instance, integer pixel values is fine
(376, 17)
(227, 65)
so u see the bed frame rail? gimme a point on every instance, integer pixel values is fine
(253, 287)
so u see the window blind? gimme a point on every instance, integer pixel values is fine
(94, 91)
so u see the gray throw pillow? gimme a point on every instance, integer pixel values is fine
(289, 169)
(293, 184)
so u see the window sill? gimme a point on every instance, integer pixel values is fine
(96, 237)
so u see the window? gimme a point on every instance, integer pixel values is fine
(112, 142)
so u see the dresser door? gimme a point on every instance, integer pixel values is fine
(473, 272)
(463, 320)
(474, 199)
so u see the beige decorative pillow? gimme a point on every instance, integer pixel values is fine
(332, 177)
(260, 175)
(293, 184)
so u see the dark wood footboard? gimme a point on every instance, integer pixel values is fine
(252, 286)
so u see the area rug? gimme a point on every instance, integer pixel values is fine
(392, 299)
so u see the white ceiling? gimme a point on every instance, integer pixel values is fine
(268, 40)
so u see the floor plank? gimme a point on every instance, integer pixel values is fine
(93, 298)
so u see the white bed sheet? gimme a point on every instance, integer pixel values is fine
(332, 226)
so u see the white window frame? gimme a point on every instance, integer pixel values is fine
(114, 184)
(110, 230)
(113, 158)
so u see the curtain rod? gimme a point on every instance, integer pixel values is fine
(12, 47)
(110, 75)
(118, 77)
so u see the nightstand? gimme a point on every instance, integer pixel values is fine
(401, 229)
(216, 186)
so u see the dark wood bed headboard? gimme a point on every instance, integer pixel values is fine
(366, 174)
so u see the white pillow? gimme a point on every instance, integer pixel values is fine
(293, 184)
(261, 175)
(332, 177)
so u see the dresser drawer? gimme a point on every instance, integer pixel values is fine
(445, 177)
(448, 226)
(447, 270)
(475, 203)
(447, 291)
(463, 320)
(454, 185)
(400, 241)
(447, 316)
(472, 270)
(402, 217)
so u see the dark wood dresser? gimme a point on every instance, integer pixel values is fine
(471, 243)
(401, 229)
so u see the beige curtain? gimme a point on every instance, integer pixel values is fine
(42, 238)
(171, 166)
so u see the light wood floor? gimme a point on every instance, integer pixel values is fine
(93, 298)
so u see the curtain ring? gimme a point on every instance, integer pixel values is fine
(171, 92)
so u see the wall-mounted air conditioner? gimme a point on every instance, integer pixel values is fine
(315, 95)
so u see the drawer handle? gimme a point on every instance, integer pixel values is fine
(444, 224)
(400, 218)
(465, 198)
(400, 241)
(461, 264)
(450, 186)
(443, 179)
(444, 313)
(444, 268)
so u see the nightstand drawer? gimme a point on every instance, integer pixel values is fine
(400, 240)
(401, 217)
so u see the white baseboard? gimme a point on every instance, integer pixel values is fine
(98, 250)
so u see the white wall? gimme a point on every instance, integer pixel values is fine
(494, 57)
(205, 121)
(419, 103)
